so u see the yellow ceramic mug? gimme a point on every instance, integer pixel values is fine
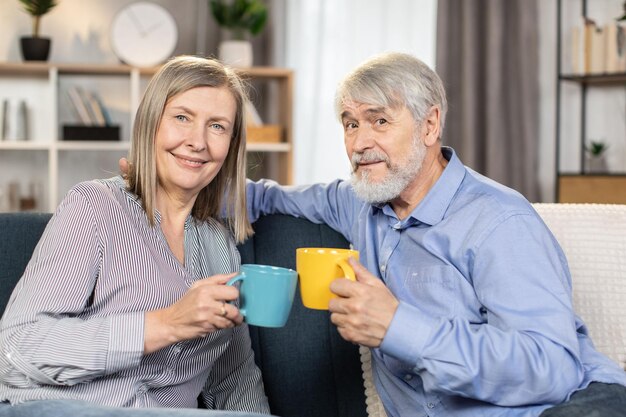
(317, 268)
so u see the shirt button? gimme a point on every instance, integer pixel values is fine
(430, 405)
(382, 268)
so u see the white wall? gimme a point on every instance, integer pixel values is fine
(79, 29)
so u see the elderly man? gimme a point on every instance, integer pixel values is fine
(463, 294)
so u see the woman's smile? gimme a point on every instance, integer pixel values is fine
(188, 161)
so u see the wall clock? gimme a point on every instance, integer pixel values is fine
(143, 34)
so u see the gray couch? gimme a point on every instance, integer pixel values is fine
(308, 370)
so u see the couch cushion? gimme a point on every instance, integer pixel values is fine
(19, 234)
(308, 369)
(593, 237)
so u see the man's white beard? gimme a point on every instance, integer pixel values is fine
(397, 179)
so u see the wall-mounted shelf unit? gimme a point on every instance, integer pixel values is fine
(46, 162)
(580, 185)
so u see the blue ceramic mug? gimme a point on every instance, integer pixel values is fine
(265, 293)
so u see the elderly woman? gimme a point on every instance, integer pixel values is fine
(123, 309)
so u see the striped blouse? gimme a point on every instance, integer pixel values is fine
(74, 326)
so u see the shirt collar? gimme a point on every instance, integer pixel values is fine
(433, 207)
(137, 202)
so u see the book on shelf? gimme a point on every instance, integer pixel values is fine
(94, 108)
(103, 109)
(598, 49)
(615, 47)
(88, 107)
(578, 50)
(14, 120)
(595, 63)
(79, 106)
(593, 47)
(252, 115)
(23, 133)
(4, 109)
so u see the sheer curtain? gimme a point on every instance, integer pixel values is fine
(323, 41)
(488, 58)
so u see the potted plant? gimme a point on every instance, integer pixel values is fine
(242, 19)
(596, 161)
(36, 48)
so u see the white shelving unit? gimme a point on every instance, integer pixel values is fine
(55, 165)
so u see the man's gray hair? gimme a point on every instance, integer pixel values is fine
(394, 80)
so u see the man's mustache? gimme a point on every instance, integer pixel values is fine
(359, 158)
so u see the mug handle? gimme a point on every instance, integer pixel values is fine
(347, 269)
(239, 277)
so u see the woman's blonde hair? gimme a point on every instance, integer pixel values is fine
(225, 196)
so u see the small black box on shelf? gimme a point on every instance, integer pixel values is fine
(82, 132)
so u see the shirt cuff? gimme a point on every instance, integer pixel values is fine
(126, 341)
(407, 334)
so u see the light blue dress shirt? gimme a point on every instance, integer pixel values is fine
(485, 325)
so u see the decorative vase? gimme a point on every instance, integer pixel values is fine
(596, 164)
(35, 49)
(236, 53)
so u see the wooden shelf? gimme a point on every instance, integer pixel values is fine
(596, 79)
(268, 147)
(30, 68)
(43, 68)
(60, 164)
(84, 145)
(264, 72)
(24, 145)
